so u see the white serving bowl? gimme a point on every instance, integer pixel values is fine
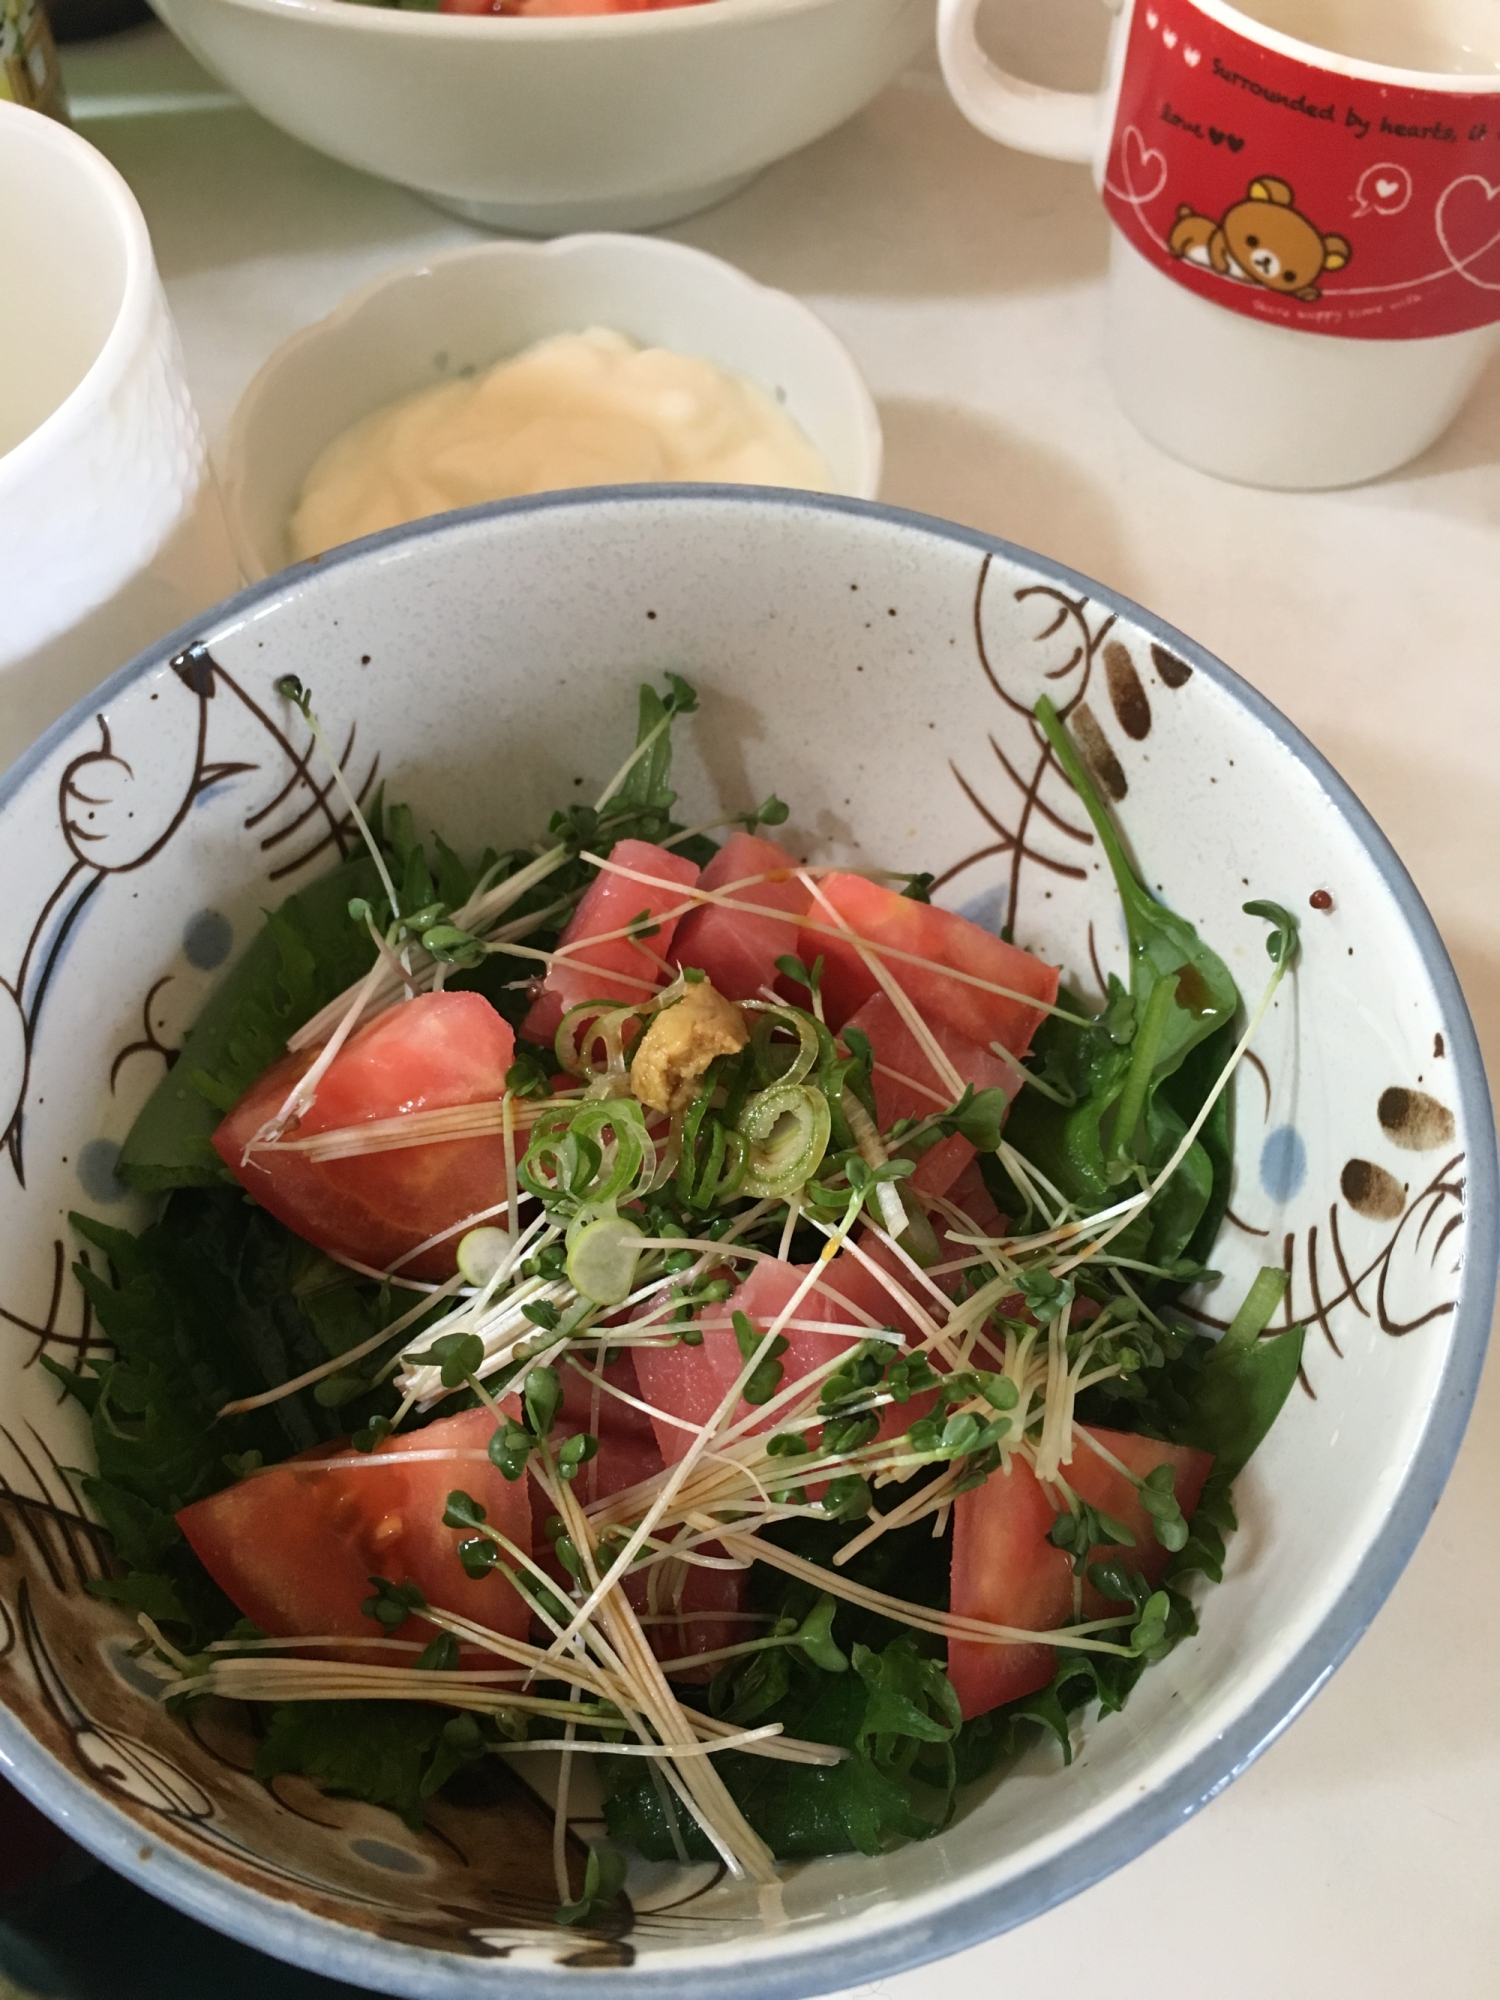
(542, 125)
(458, 313)
(110, 531)
(868, 665)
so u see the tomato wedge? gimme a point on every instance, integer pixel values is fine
(691, 1382)
(599, 966)
(628, 1451)
(437, 1050)
(1097, 1482)
(945, 943)
(692, 1601)
(1006, 1571)
(872, 1298)
(739, 950)
(908, 1083)
(295, 1548)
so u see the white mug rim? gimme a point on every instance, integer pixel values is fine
(1452, 83)
(131, 321)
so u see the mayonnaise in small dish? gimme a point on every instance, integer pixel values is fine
(577, 409)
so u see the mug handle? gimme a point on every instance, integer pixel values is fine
(1058, 124)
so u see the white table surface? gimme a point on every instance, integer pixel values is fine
(1361, 1855)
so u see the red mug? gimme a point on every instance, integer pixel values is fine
(1305, 262)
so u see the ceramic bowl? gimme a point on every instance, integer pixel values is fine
(458, 313)
(539, 125)
(110, 531)
(878, 670)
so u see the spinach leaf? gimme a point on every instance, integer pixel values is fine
(391, 1753)
(1221, 1396)
(906, 1563)
(1184, 1091)
(893, 1708)
(1059, 1125)
(1237, 1395)
(1173, 974)
(1114, 1097)
(1064, 1127)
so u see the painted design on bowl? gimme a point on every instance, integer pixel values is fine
(116, 815)
(1070, 638)
(479, 1880)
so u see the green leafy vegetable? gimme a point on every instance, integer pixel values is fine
(603, 1885)
(308, 952)
(893, 1706)
(1116, 1097)
(390, 1753)
(1165, 950)
(214, 1302)
(1239, 1395)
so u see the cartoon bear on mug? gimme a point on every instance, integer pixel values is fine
(1263, 240)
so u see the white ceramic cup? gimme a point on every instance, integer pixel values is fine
(1367, 134)
(110, 527)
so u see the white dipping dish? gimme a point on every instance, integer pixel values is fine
(605, 121)
(110, 531)
(457, 314)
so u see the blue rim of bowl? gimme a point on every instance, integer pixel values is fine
(363, 1959)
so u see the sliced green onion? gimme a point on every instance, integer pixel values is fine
(712, 1156)
(736, 1164)
(558, 1165)
(589, 1155)
(480, 1255)
(769, 1055)
(618, 1127)
(787, 1128)
(596, 1021)
(602, 1257)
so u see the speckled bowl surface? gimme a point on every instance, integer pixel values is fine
(878, 671)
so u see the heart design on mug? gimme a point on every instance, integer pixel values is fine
(1236, 145)
(1468, 227)
(1192, 57)
(1216, 135)
(1137, 161)
(1153, 19)
(1385, 189)
(1169, 36)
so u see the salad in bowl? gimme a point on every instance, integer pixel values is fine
(661, 1334)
